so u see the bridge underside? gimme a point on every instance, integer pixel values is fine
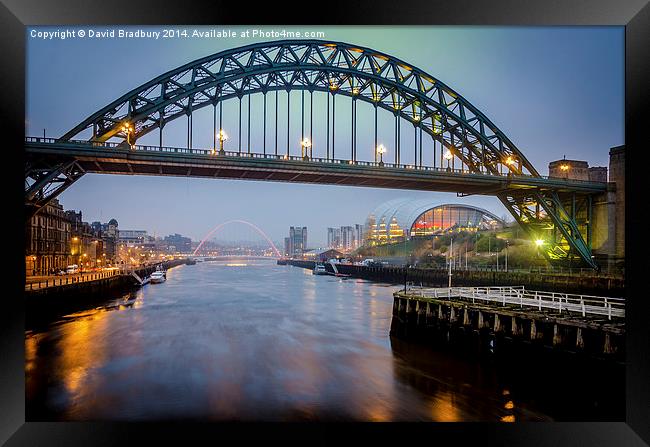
(549, 210)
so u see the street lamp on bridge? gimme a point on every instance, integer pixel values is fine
(305, 146)
(381, 150)
(222, 137)
(448, 156)
(128, 130)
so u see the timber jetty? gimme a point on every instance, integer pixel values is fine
(487, 319)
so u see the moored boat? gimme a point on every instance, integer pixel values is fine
(319, 269)
(157, 277)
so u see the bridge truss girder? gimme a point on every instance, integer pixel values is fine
(45, 179)
(561, 222)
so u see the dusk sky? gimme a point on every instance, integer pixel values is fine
(554, 91)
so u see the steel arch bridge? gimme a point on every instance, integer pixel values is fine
(480, 159)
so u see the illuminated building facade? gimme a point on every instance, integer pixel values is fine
(47, 240)
(400, 219)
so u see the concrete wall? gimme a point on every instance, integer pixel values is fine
(608, 212)
(602, 221)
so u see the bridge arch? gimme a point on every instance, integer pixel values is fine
(552, 211)
(253, 226)
(337, 68)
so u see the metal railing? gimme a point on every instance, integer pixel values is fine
(519, 296)
(559, 271)
(246, 154)
(72, 279)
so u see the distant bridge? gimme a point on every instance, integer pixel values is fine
(235, 257)
(465, 152)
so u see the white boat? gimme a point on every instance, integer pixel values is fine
(319, 269)
(157, 277)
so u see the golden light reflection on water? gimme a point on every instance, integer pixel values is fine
(83, 346)
(509, 405)
(443, 408)
(31, 344)
(379, 413)
(83, 343)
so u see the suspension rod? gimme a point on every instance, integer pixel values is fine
(160, 126)
(328, 125)
(375, 148)
(352, 133)
(276, 122)
(302, 115)
(415, 146)
(311, 123)
(420, 127)
(396, 148)
(239, 151)
(333, 124)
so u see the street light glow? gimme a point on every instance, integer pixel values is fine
(539, 242)
(305, 143)
(448, 155)
(564, 167)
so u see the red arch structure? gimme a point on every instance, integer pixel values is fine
(253, 226)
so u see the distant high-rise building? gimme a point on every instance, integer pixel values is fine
(297, 241)
(287, 246)
(358, 235)
(347, 237)
(333, 237)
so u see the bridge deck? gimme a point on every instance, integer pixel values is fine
(111, 158)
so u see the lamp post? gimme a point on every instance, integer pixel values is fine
(128, 130)
(448, 156)
(381, 150)
(305, 145)
(222, 137)
(507, 243)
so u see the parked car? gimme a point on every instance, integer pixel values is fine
(71, 269)
(59, 272)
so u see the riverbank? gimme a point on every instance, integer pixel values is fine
(63, 297)
(587, 285)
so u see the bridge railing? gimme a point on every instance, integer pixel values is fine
(255, 155)
(585, 305)
(63, 280)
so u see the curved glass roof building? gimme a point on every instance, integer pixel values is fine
(397, 219)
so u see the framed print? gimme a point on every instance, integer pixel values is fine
(427, 216)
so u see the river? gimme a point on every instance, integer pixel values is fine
(252, 340)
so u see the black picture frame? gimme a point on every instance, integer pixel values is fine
(15, 15)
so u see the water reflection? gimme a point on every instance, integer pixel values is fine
(219, 341)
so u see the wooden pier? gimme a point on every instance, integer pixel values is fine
(496, 316)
